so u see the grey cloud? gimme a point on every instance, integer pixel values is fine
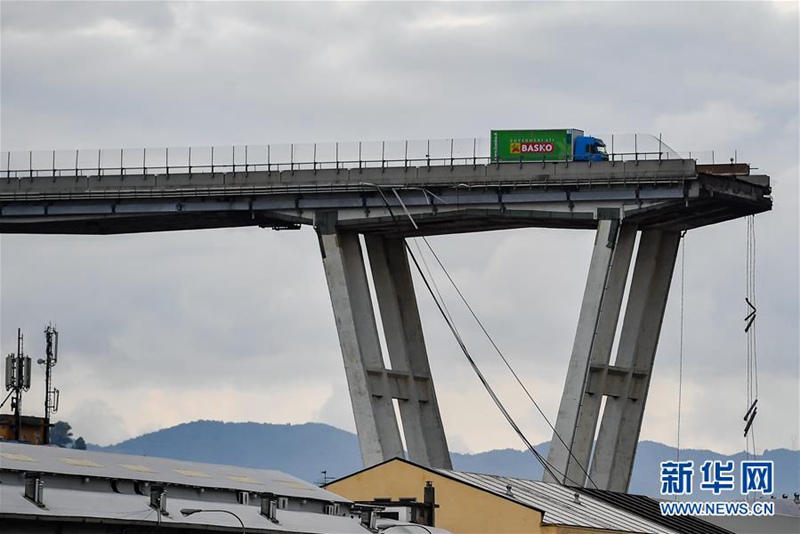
(47, 18)
(97, 417)
(176, 303)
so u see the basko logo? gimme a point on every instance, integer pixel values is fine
(532, 148)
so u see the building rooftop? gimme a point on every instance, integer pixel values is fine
(62, 461)
(571, 507)
(562, 505)
(649, 509)
(96, 488)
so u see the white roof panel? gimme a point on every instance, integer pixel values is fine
(62, 503)
(57, 460)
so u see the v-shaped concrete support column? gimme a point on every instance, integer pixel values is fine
(410, 374)
(571, 445)
(376, 424)
(372, 386)
(624, 384)
(627, 382)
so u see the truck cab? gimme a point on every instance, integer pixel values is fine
(589, 148)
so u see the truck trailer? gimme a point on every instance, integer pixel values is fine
(546, 145)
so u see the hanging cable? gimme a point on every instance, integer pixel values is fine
(508, 365)
(680, 346)
(433, 281)
(751, 395)
(436, 295)
(551, 470)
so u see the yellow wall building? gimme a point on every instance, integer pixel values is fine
(473, 503)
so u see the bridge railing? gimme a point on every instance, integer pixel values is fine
(287, 157)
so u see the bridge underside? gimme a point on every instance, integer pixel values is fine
(657, 199)
(138, 223)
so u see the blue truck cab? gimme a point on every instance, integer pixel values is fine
(589, 148)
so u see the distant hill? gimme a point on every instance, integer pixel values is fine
(300, 450)
(309, 449)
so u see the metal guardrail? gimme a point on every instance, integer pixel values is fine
(285, 157)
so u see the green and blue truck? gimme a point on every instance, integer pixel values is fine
(546, 145)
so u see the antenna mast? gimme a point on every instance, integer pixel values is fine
(50, 394)
(18, 379)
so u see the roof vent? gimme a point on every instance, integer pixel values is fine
(33, 488)
(373, 520)
(508, 490)
(158, 498)
(269, 506)
(368, 515)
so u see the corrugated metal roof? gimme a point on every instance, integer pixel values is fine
(776, 524)
(56, 460)
(650, 509)
(559, 505)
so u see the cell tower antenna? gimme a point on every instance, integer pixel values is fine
(50, 360)
(18, 379)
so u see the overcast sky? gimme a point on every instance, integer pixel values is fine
(236, 324)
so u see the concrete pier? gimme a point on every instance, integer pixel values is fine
(410, 377)
(372, 385)
(378, 434)
(627, 383)
(597, 323)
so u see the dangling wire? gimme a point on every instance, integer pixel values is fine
(433, 281)
(751, 397)
(680, 346)
(507, 364)
(440, 305)
(430, 284)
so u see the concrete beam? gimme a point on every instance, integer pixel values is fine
(378, 433)
(412, 383)
(615, 450)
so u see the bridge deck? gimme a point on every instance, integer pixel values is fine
(667, 194)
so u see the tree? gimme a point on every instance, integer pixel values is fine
(79, 444)
(61, 434)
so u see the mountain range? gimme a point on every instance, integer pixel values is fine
(315, 452)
